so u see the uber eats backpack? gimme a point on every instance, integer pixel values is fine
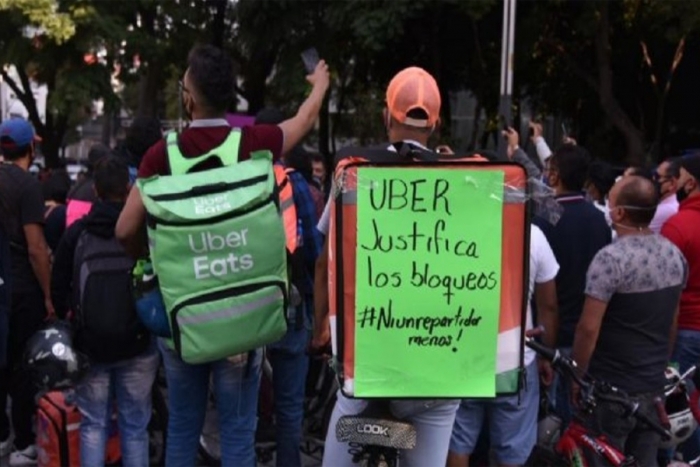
(107, 326)
(218, 248)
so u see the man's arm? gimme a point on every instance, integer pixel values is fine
(547, 311)
(674, 332)
(321, 308)
(531, 168)
(39, 258)
(129, 228)
(543, 151)
(587, 331)
(298, 126)
(62, 272)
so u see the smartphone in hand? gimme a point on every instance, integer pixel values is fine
(505, 124)
(310, 58)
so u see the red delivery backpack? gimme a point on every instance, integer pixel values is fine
(58, 433)
(343, 249)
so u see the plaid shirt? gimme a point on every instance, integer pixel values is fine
(312, 240)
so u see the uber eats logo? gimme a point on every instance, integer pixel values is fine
(212, 205)
(209, 249)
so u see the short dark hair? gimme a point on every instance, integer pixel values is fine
(674, 167)
(211, 71)
(95, 154)
(13, 153)
(601, 176)
(642, 197)
(645, 172)
(418, 114)
(299, 160)
(111, 177)
(318, 157)
(57, 186)
(571, 163)
(269, 116)
(143, 133)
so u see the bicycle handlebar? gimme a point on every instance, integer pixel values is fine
(598, 391)
(550, 354)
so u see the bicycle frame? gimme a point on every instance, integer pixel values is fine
(577, 445)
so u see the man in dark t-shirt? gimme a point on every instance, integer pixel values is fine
(207, 88)
(22, 218)
(633, 289)
(575, 239)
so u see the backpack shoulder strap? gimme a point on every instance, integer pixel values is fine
(227, 152)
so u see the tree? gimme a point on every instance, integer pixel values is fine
(58, 52)
(611, 53)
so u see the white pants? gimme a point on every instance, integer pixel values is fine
(433, 430)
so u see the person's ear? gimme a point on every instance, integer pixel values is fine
(617, 214)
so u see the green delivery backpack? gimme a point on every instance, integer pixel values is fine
(218, 248)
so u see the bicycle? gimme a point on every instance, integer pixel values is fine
(577, 444)
(319, 401)
(375, 436)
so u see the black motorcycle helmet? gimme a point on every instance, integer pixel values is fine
(51, 359)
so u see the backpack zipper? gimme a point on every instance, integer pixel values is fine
(218, 295)
(154, 221)
(210, 189)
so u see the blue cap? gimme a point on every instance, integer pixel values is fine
(16, 133)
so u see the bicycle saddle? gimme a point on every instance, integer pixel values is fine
(376, 426)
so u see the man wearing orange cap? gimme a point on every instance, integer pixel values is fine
(411, 115)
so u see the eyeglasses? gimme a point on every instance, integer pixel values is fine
(181, 86)
(660, 179)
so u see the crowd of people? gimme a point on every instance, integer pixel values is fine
(614, 280)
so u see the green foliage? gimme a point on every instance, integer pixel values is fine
(45, 15)
(365, 42)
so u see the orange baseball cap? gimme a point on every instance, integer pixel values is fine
(413, 88)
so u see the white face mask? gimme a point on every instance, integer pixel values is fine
(631, 208)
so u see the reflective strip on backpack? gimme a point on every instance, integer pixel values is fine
(289, 211)
(233, 311)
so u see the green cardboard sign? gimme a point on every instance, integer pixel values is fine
(428, 280)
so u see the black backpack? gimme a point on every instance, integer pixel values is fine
(107, 326)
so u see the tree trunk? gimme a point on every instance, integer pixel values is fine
(258, 68)
(149, 87)
(633, 137)
(219, 23)
(475, 126)
(323, 130)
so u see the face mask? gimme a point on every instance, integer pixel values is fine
(681, 194)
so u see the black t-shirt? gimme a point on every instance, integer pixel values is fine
(55, 225)
(21, 203)
(581, 232)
